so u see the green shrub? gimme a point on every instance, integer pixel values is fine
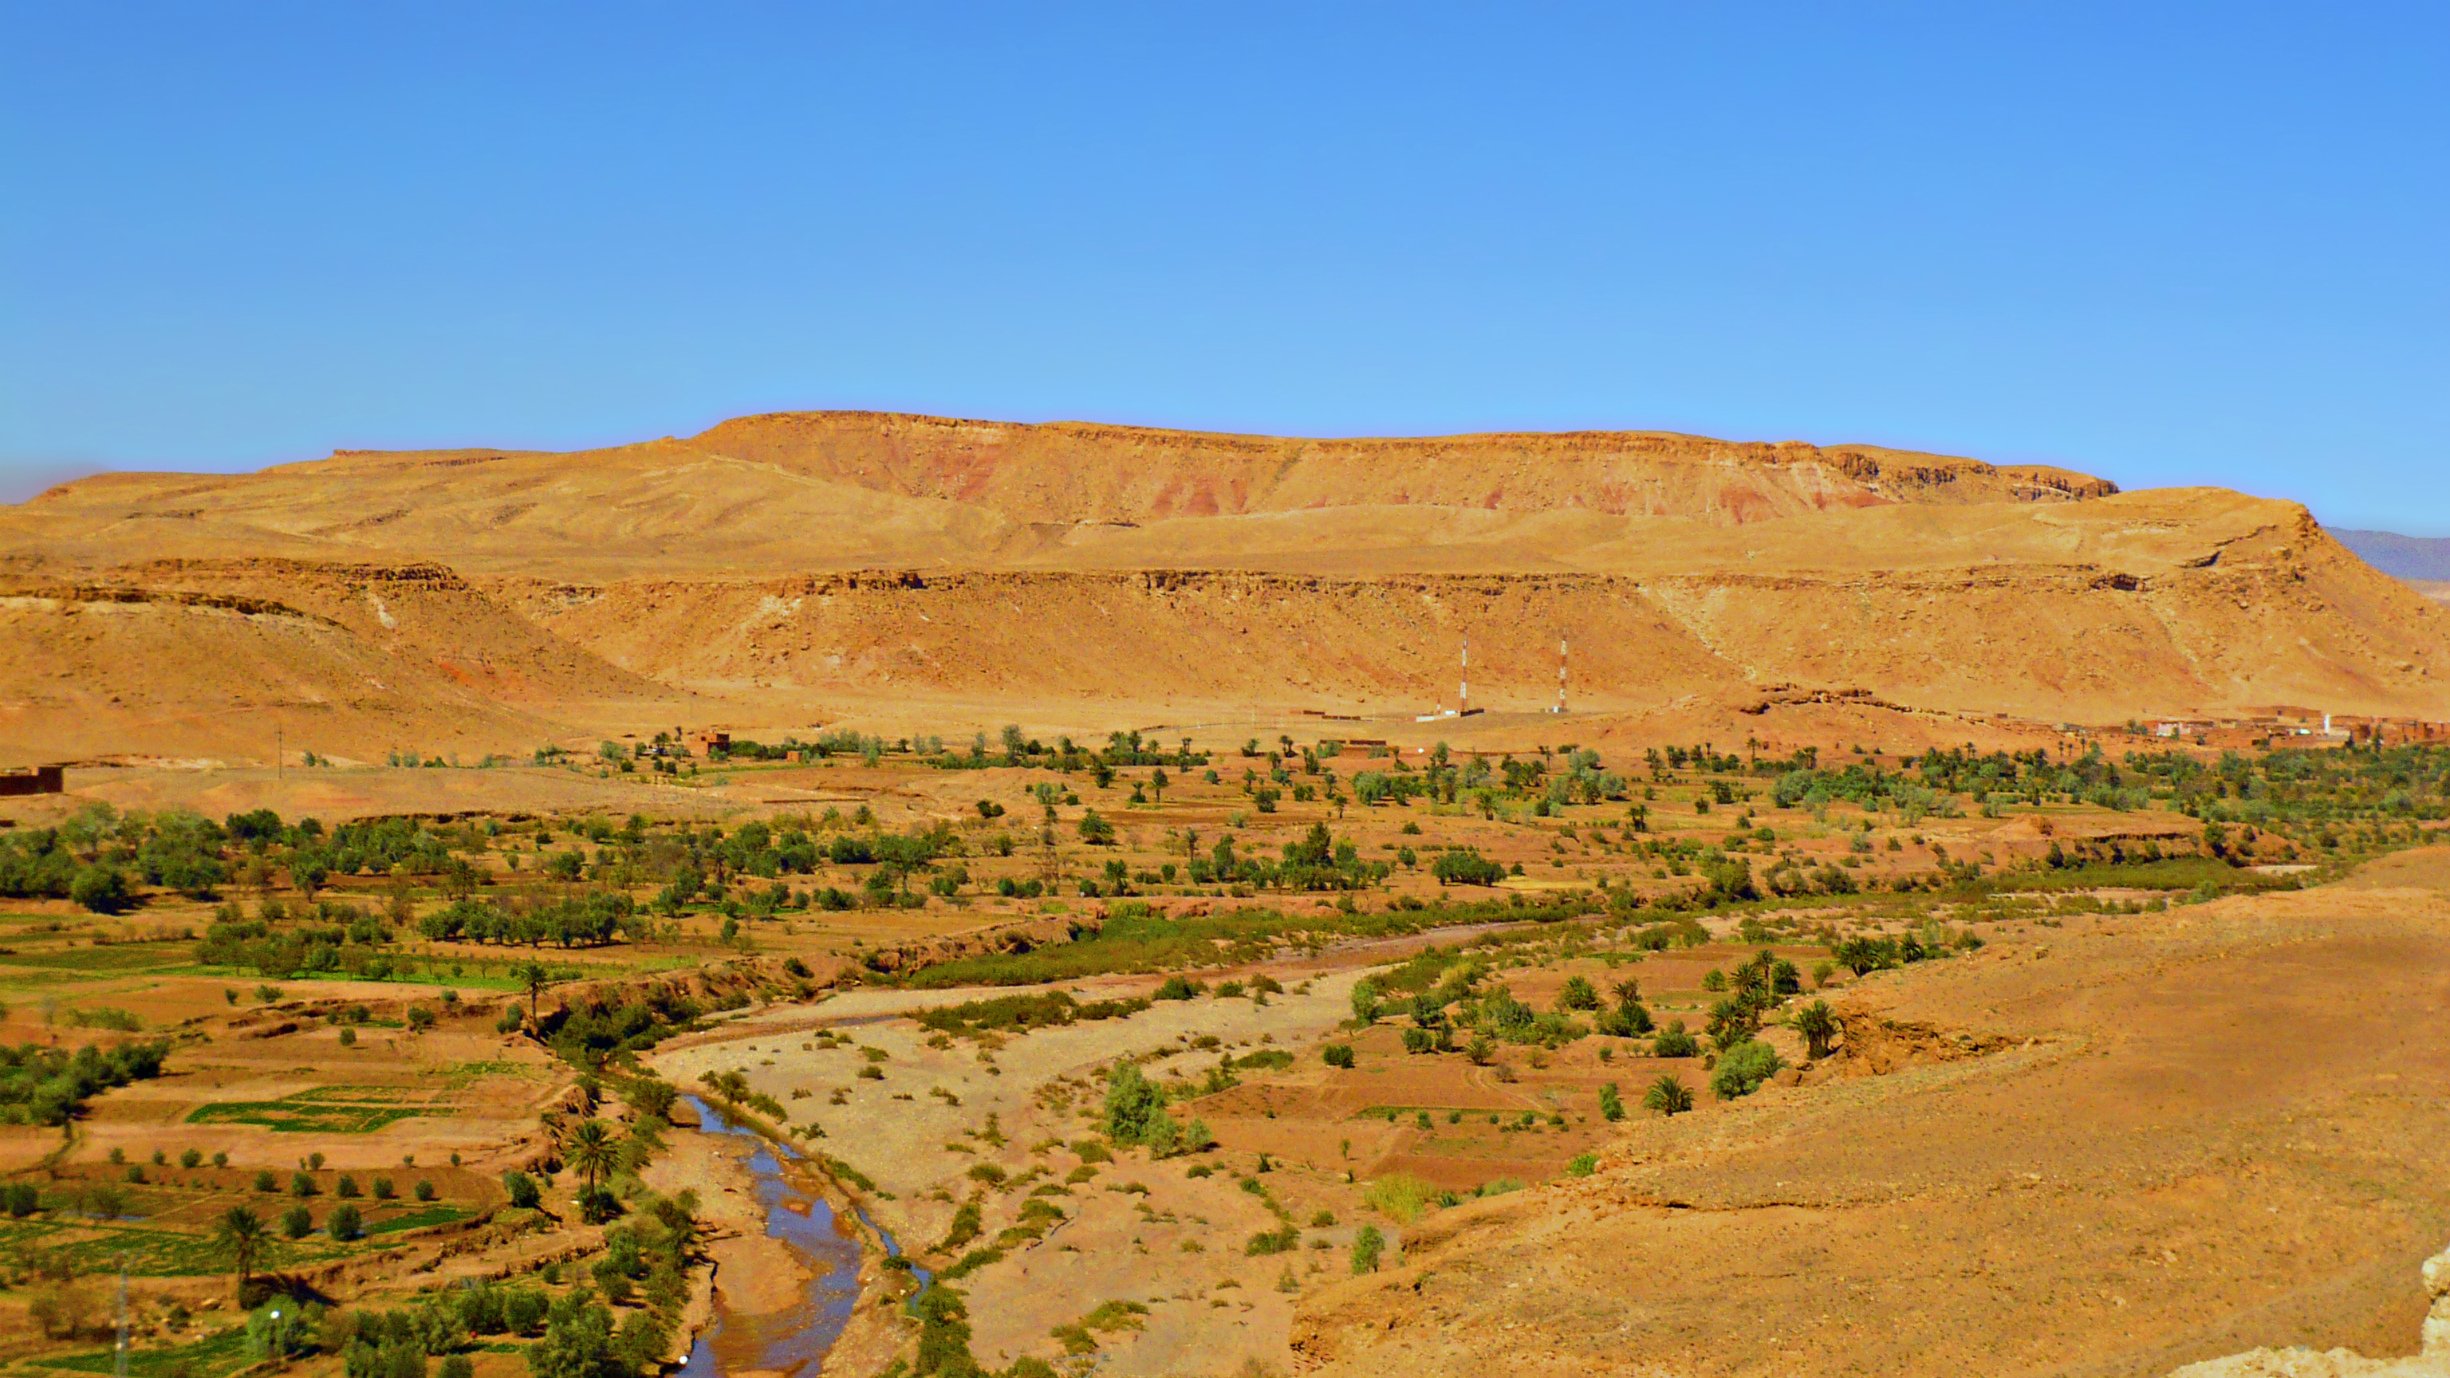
(1273, 1242)
(1399, 1196)
(1742, 1068)
(1368, 1245)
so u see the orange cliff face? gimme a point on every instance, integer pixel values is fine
(817, 562)
(1072, 472)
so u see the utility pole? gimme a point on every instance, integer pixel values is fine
(1463, 701)
(1560, 708)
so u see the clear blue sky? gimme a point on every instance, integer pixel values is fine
(2165, 243)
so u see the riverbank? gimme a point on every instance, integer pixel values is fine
(937, 1125)
(797, 1284)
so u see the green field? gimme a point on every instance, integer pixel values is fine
(424, 1217)
(92, 1247)
(221, 1353)
(325, 1110)
(104, 957)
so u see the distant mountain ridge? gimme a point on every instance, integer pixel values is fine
(2402, 557)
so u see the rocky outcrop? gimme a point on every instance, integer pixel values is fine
(2432, 1359)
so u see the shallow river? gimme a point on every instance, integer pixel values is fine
(794, 1341)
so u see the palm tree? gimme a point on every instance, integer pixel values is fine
(591, 1151)
(1819, 1025)
(240, 1233)
(535, 978)
(1668, 1096)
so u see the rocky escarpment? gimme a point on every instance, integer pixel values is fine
(2070, 641)
(818, 563)
(1070, 472)
(2432, 1359)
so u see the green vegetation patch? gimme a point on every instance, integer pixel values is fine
(1137, 938)
(324, 1110)
(1021, 1013)
(99, 957)
(425, 1217)
(1405, 1112)
(92, 1247)
(225, 1352)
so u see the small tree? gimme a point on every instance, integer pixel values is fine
(1096, 831)
(591, 1152)
(102, 889)
(536, 979)
(1577, 994)
(521, 1189)
(1819, 1026)
(1134, 1105)
(1668, 1096)
(1742, 1068)
(240, 1235)
(1674, 1041)
(1365, 1001)
(1368, 1245)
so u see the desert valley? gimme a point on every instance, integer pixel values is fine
(879, 894)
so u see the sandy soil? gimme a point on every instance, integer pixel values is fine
(2153, 1170)
(919, 1149)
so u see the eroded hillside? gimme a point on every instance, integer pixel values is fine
(786, 568)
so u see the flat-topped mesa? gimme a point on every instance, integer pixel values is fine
(1074, 471)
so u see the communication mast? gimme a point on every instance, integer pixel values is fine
(1560, 708)
(1463, 690)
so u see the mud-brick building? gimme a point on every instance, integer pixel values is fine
(39, 780)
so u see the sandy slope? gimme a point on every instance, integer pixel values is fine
(2150, 1170)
